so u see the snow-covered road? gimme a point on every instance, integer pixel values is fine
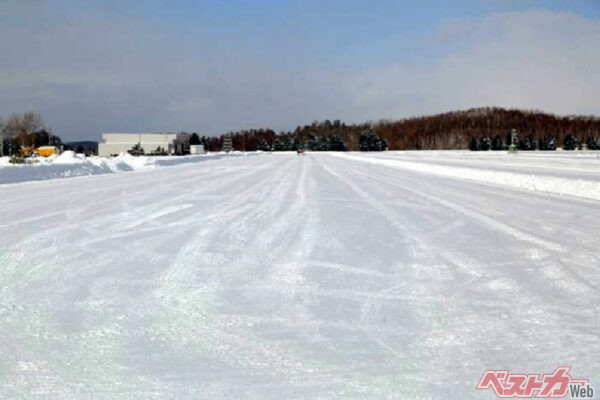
(286, 277)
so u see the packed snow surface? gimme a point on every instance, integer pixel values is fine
(398, 275)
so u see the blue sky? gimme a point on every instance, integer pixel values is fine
(210, 66)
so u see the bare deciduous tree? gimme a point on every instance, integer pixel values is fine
(31, 122)
(12, 127)
(19, 127)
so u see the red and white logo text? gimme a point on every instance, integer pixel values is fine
(555, 385)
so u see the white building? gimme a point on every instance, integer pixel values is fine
(172, 143)
(197, 149)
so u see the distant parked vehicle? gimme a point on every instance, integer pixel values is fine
(300, 152)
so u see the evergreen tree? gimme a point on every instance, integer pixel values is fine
(364, 142)
(136, 150)
(336, 143)
(14, 149)
(485, 143)
(383, 144)
(159, 151)
(40, 138)
(278, 145)
(369, 141)
(288, 143)
(528, 143)
(474, 144)
(570, 142)
(55, 141)
(593, 143)
(194, 139)
(263, 145)
(323, 143)
(498, 143)
(296, 144)
(547, 143)
(313, 143)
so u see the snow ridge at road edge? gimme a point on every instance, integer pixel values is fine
(547, 184)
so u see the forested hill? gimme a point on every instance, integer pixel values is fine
(450, 130)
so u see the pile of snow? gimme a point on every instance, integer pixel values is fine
(70, 164)
(588, 189)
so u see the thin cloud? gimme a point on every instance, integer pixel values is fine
(539, 59)
(89, 73)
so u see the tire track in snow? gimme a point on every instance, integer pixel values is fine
(244, 349)
(569, 281)
(49, 263)
(189, 293)
(474, 215)
(371, 306)
(179, 334)
(535, 309)
(417, 357)
(122, 224)
(575, 283)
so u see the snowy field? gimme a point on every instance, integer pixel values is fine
(399, 275)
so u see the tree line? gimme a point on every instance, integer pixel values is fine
(319, 136)
(530, 142)
(447, 131)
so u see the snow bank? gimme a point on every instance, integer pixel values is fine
(541, 183)
(70, 164)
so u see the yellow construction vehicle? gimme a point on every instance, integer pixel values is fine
(27, 151)
(47, 151)
(42, 151)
